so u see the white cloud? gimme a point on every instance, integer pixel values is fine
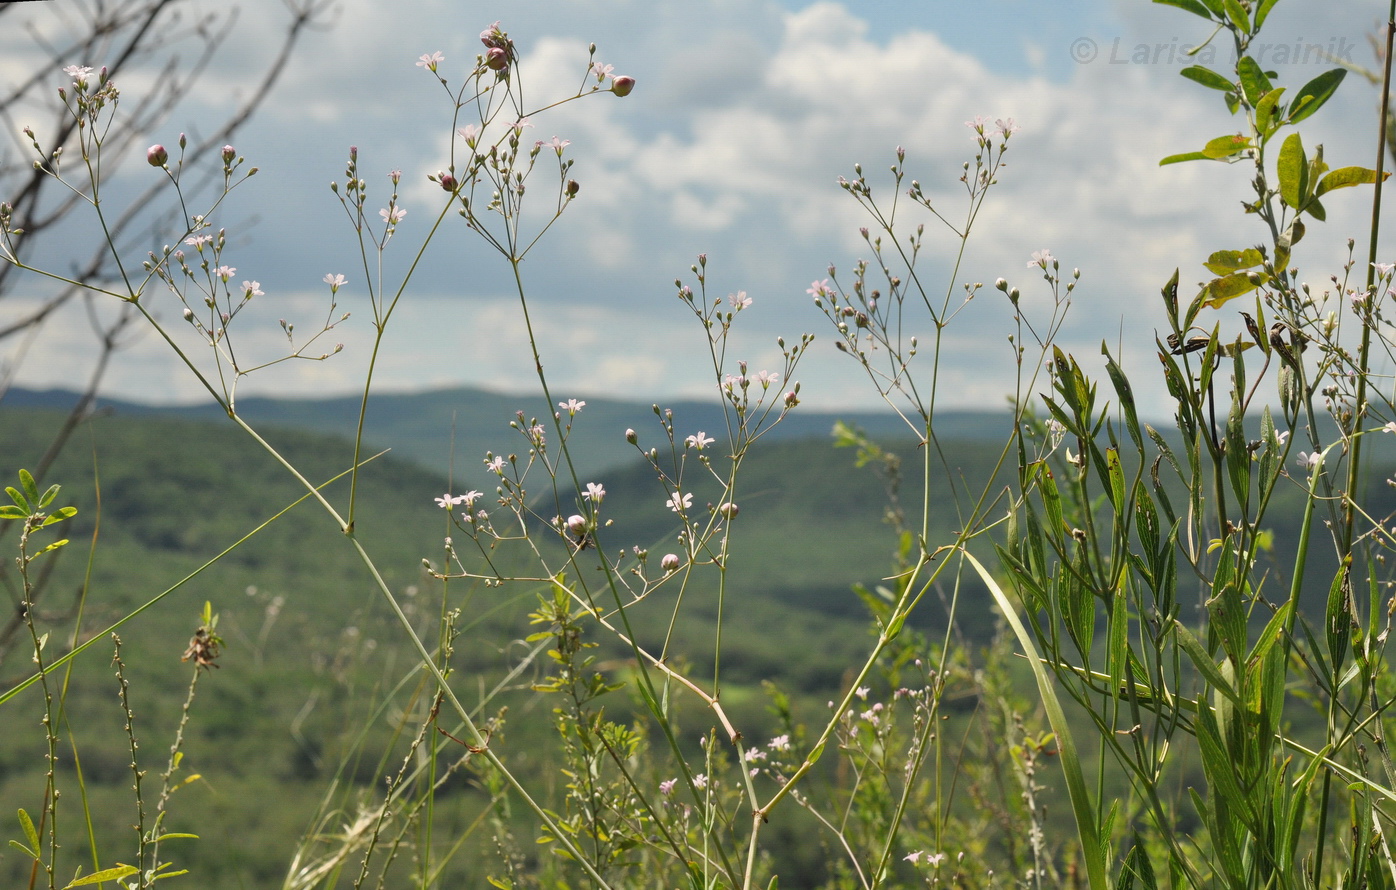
(743, 117)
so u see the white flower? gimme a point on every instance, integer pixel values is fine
(700, 441)
(594, 492)
(680, 501)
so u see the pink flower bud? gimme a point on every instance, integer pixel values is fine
(156, 156)
(791, 399)
(670, 563)
(728, 510)
(448, 182)
(577, 525)
(492, 36)
(228, 154)
(622, 85)
(573, 186)
(497, 58)
(630, 436)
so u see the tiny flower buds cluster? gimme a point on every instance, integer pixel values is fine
(499, 49)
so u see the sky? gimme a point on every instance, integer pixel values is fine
(744, 115)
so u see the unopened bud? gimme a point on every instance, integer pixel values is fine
(577, 525)
(228, 154)
(630, 436)
(573, 186)
(670, 563)
(448, 182)
(1002, 285)
(497, 58)
(622, 85)
(728, 510)
(156, 156)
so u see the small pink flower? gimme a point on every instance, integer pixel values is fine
(571, 406)
(392, 216)
(602, 71)
(225, 272)
(470, 133)
(252, 289)
(335, 281)
(430, 61)
(1006, 127)
(447, 500)
(700, 441)
(594, 492)
(819, 289)
(667, 786)
(739, 300)
(1040, 258)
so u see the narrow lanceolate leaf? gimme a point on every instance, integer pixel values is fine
(1081, 805)
(1208, 78)
(1228, 287)
(1262, 11)
(1293, 169)
(107, 874)
(1313, 94)
(1185, 156)
(1346, 177)
(30, 834)
(1225, 261)
(1192, 6)
(1226, 146)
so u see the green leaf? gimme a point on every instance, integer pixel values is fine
(1225, 146)
(1136, 868)
(1346, 177)
(115, 873)
(23, 849)
(1081, 805)
(1253, 81)
(1204, 663)
(1237, 14)
(1185, 156)
(1208, 78)
(1293, 170)
(30, 834)
(19, 499)
(1228, 287)
(1265, 112)
(1224, 262)
(1192, 6)
(1262, 11)
(31, 489)
(1337, 617)
(1313, 94)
